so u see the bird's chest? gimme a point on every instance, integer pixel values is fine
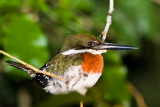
(92, 63)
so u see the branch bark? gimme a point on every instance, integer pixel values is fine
(137, 95)
(108, 20)
(32, 67)
(81, 103)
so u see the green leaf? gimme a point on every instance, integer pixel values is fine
(124, 29)
(115, 77)
(84, 5)
(112, 57)
(142, 14)
(1, 21)
(10, 3)
(65, 4)
(9, 6)
(39, 5)
(25, 40)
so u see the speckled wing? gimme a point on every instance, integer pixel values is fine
(60, 63)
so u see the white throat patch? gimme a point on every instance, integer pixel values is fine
(92, 51)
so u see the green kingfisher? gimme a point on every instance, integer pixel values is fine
(79, 62)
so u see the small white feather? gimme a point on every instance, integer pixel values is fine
(92, 51)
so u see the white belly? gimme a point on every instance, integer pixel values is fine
(76, 80)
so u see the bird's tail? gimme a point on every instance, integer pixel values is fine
(21, 67)
(40, 79)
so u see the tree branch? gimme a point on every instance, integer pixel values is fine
(108, 20)
(33, 68)
(81, 103)
(137, 95)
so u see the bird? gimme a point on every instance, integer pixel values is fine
(79, 62)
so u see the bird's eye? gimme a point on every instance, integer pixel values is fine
(90, 44)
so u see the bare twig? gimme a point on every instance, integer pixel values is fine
(81, 103)
(33, 68)
(108, 20)
(156, 1)
(137, 95)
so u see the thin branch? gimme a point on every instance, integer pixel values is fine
(137, 95)
(156, 1)
(81, 103)
(33, 68)
(108, 20)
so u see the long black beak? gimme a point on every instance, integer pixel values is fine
(111, 46)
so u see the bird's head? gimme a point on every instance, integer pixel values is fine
(85, 43)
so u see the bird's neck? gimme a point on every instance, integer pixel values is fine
(92, 63)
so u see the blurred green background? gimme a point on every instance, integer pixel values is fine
(34, 30)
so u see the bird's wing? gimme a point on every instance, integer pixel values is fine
(60, 63)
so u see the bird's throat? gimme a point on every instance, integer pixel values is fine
(92, 63)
